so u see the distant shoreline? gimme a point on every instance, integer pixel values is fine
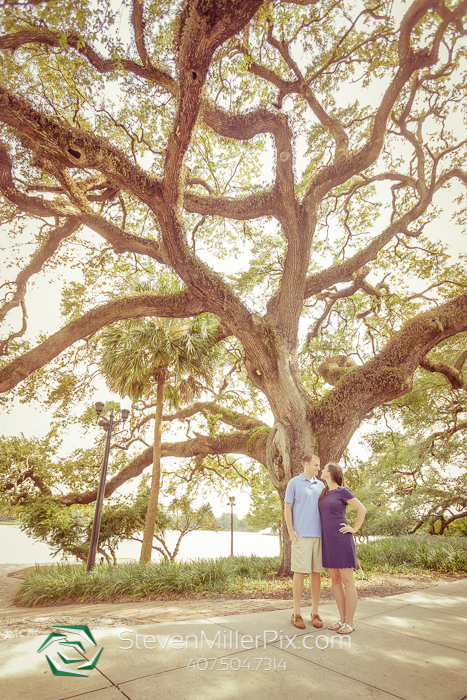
(254, 532)
(17, 546)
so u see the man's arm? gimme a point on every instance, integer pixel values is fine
(288, 521)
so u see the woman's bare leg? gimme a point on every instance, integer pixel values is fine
(338, 590)
(351, 595)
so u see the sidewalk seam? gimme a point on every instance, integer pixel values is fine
(344, 675)
(361, 619)
(421, 639)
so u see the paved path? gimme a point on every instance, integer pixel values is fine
(411, 646)
(151, 611)
(8, 585)
(36, 619)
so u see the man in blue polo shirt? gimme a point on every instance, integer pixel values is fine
(304, 526)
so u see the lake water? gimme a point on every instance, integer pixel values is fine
(17, 547)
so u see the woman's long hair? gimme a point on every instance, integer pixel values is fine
(338, 476)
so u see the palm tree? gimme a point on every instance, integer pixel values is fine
(173, 354)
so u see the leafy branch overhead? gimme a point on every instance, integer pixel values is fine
(415, 477)
(289, 166)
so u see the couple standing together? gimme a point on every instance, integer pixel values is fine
(321, 537)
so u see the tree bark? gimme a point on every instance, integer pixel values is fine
(146, 548)
(292, 435)
(286, 545)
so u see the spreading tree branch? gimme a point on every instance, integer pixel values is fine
(46, 250)
(235, 443)
(452, 374)
(389, 374)
(410, 61)
(47, 37)
(171, 305)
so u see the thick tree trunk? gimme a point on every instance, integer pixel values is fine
(284, 452)
(286, 547)
(292, 434)
(298, 429)
(146, 548)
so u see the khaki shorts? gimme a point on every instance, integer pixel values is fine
(306, 555)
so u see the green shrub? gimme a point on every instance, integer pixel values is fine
(414, 552)
(104, 582)
(167, 578)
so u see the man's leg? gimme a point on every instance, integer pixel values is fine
(298, 580)
(315, 586)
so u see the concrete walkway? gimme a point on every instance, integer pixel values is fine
(411, 646)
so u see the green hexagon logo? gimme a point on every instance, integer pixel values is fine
(60, 636)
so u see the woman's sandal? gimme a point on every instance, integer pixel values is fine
(342, 629)
(335, 626)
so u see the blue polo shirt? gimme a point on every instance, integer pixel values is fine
(303, 494)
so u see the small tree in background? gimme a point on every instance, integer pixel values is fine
(180, 515)
(67, 531)
(265, 510)
(223, 523)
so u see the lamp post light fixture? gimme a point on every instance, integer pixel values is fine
(232, 503)
(108, 424)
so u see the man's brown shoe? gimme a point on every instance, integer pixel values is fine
(316, 620)
(297, 620)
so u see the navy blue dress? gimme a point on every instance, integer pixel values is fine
(338, 547)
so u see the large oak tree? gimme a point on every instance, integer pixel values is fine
(306, 141)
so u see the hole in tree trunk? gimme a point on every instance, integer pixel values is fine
(74, 153)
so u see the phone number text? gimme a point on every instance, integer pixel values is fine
(233, 663)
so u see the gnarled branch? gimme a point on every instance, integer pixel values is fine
(170, 305)
(76, 148)
(48, 37)
(390, 373)
(46, 250)
(235, 443)
(452, 374)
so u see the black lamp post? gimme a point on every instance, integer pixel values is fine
(232, 503)
(108, 424)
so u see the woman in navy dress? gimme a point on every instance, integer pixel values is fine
(338, 544)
